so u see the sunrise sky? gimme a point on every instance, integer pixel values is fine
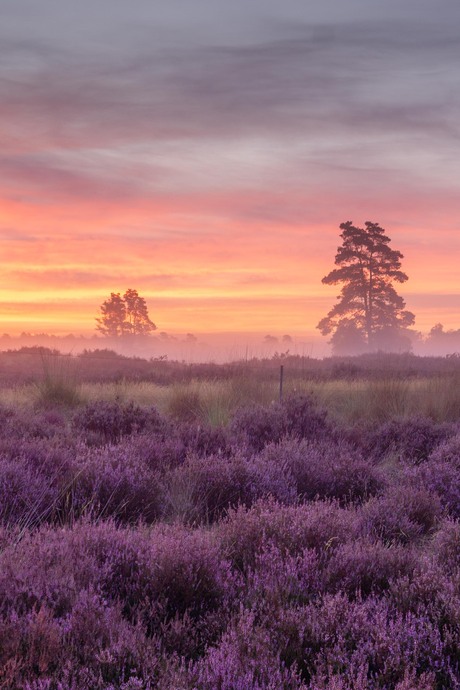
(204, 152)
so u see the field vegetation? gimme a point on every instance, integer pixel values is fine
(180, 527)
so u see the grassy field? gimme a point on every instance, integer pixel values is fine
(214, 401)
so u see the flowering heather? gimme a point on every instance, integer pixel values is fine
(325, 469)
(139, 553)
(205, 488)
(320, 525)
(109, 421)
(297, 416)
(411, 439)
(403, 514)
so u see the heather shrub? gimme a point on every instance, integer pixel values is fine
(402, 514)
(204, 440)
(25, 424)
(411, 439)
(325, 469)
(339, 643)
(443, 478)
(280, 579)
(448, 451)
(304, 419)
(159, 452)
(446, 545)
(432, 592)
(363, 568)
(94, 647)
(245, 658)
(108, 646)
(54, 457)
(204, 488)
(108, 422)
(256, 426)
(52, 482)
(42, 473)
(359, 681)
(168, 574)
(321, 526)
(153, 575)
(114, 482)
(26, 496)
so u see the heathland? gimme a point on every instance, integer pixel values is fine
(176, 526)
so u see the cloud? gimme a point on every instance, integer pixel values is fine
(14, 235)
(344, 75)
(193, 141)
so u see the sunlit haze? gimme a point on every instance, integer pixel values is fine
(206, 152)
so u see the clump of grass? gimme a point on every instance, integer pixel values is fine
(207, 402)
(441, 400)
(185, 404)
(387, 398)
(372, 400)
(59, 386)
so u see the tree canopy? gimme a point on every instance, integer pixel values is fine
(368, 308)
(124, 315)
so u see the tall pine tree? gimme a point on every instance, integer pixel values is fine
(367, 269)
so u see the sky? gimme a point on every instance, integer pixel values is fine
(205, 152)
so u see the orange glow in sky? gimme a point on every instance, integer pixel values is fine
(209, 165)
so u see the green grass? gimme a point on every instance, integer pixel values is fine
(213, 402)
(59, 385)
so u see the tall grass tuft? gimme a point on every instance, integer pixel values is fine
(441, 401)
(59, 385)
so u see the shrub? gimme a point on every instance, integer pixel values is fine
(23, 424)
(362, 568)
(448, 451)
(257, 426)
(403, 514)
(446, 545)
(110, 421)
(159, 452)
(303, 418)
(155, 575)
(443, 478)
(351, 645)
(35, 475)
(412, 439)
(321, 526)
(245, 658)
(113, 482)
(26, 497)
(167, 574)
(204, 440)
(204, 488)
(325, 469)
(280, 579)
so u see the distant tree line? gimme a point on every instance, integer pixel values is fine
(369, 314)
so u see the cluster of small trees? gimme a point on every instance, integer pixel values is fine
(124, 315)
(369, 314)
